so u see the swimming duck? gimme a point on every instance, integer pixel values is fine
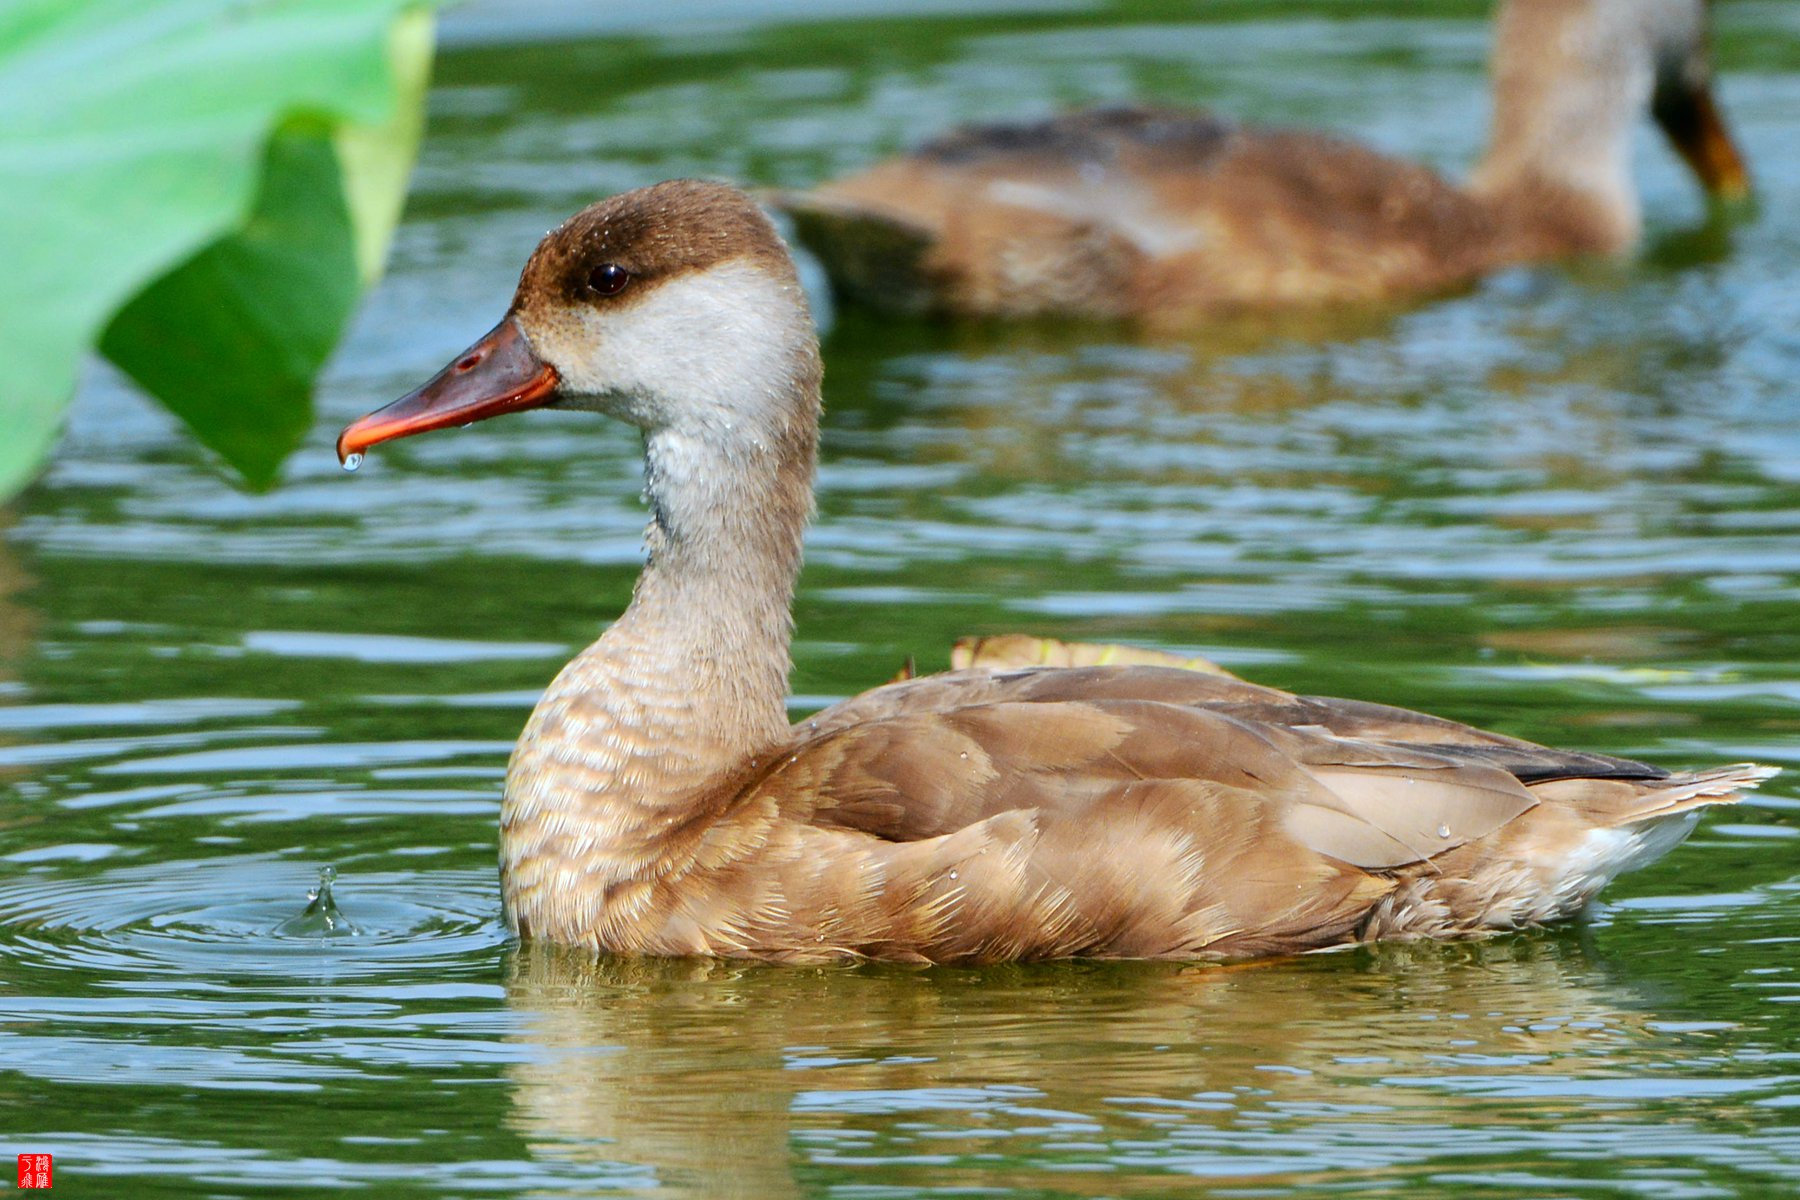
(1170, 216)
(660, 803)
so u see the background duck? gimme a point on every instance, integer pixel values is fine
(660, 803)
(1168, 216)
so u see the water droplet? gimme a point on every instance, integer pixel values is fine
(321, 917)
(352, 461)
(964, 754)
(1443, 831)
(953, 874)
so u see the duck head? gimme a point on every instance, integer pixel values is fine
(671, 307)
(1572, 77)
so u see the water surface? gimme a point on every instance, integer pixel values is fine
(1566, 505)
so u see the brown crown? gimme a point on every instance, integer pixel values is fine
(654, 233)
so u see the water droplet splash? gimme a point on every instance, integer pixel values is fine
(321, 917)
(352, 461)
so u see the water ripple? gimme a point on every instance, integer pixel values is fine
(217, 917)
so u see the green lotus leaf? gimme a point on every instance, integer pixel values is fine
(209, 184)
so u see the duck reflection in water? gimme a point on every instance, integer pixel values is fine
(732, 1079)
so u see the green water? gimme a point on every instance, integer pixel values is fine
(1566, 505)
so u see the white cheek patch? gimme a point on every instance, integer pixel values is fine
(713, 346)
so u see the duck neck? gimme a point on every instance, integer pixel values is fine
(701, 653)
(1570, 81)
(636, 735)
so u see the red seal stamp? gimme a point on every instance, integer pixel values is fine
(34, 1170)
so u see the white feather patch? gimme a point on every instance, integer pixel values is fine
(1606, 853)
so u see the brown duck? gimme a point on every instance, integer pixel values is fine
(1170, 216)
(659, 802)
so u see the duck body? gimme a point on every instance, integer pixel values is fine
(1170, 217)
(1111, 812)
(659, 801)
(1127, 212)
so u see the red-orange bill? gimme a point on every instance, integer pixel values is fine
(498, 374)
(1693, 123)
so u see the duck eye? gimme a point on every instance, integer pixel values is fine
(608, 279)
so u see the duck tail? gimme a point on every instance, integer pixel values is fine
(876, 257)
(1697, 789)
(1632, 823)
